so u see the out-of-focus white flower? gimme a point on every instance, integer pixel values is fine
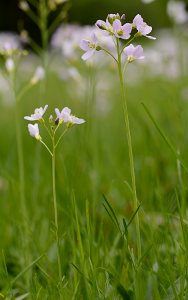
(34, 131)
(9, 64)
(147, 1)
(156, 267)
(38, 114)
(39, 75)
(23, 5)
(70, 73)
(177, 11)
(9, 42)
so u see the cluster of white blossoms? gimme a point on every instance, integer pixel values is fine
(116, 28)
(63, 116)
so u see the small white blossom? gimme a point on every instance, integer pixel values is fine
(23, 5)
(38, 114)
(65, 116)
(177, 11)
(38, 75)
(34, 131)
(9, 64)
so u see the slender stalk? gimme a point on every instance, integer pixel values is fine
(135, 202)
(21, 178)
(46, 147)
(61, 136)
(55, 210)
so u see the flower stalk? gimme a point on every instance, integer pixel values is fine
(55, 208)
(128, 132)
(63, 117)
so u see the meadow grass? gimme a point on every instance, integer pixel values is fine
(98, 245)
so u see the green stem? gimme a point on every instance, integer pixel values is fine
(46, 147)
(135, 202)
(55, 211)
(130, 41)
(66, 129)
(110, 54)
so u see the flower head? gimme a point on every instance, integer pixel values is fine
(120, 31)
(112, 17)
(106, 26)
(177, 11)
(133, 52)
(142, 27)
(34, 131)
(38, 75)
(89, 46)
(65, 116)
(38, 113)
(9, 64)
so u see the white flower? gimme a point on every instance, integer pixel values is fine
(9, 64)
(65, 116)
(34, 131)
(23, 5)
(39, 75)
(177, 11)
(133, 52)
(38, 113)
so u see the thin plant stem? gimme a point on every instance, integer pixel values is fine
(135, 202)
(66, 129)
(21, 177)
(46, 147)
(110, 54)
(55, 210)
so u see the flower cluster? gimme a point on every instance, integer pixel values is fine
(116, 27)
(62, 117)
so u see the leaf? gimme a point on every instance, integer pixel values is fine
(166, 139)
(112, 215)
(26, 269)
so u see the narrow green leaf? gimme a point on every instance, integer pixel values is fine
(113, 213)
(26, 269)
(134, 214)
(166, 139)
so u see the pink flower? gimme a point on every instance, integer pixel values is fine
(89, 46)
(133, 52)
(120, 31)
(142, 27)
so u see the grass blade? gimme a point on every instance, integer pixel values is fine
(164, 136)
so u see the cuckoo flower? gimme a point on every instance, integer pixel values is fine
(38, 113)
(133, 52)
(65, 116)
(106, 26)
(120, 31)
(112, 17)
(142, 27)
(38, 75)
(9, 64)
(34, 131)
(89, 46)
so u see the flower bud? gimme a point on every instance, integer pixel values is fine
(23, 5)
(98, 48)
(57, 121)
(9, 64)
(100, 25)
(51, 119)
(112, 17)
